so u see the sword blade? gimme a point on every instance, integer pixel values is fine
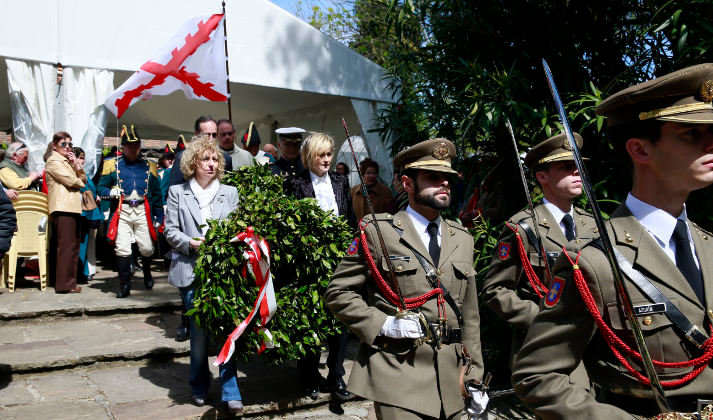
(540, 244)
(621, 288)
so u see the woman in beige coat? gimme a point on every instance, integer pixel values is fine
(65, 206)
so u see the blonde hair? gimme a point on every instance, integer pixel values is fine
(314, 145)
(199, 146)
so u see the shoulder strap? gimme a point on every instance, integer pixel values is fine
(690, 331)
(551, 256)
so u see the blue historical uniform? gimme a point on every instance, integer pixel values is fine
(137, 205)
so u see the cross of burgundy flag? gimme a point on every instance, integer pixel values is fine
(192, 61)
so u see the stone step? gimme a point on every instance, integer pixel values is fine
(97, 298)
(70, 342)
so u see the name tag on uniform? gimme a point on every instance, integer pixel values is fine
(654, 308)
(400, 258)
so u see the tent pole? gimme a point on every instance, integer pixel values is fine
(227, 68)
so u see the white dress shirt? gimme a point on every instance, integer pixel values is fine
(421, 223)
(660, 225)
(323, 192)
(559, 215)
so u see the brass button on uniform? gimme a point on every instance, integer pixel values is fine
(648, 320)
(438, 271)
(400, 268)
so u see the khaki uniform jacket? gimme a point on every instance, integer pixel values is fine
(392, 371)
(566, 333)
(507, 290)
(63, 185)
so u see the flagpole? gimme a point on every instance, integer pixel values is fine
(227, 67)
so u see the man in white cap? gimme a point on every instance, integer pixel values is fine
(290, 140)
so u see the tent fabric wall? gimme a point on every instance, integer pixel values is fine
(367, 113)
(41, 107)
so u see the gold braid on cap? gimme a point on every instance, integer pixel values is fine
(133, 133)
(673, 110)
(427, 163)
(250, 134)
(123, 131)
(553, 157)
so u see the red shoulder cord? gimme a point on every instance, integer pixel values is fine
(535, 282)
(386, 290)
(615, 342)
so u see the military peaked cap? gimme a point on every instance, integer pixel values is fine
(431, 155)
(682, 96)
(554, 149)
(290, 134)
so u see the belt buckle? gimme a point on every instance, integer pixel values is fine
(696, 336)
(705, 409)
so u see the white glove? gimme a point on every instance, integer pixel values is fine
(407, 326)
(477, 402)
(115, 193)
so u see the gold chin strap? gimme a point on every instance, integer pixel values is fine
(673, 110)
(432, 162)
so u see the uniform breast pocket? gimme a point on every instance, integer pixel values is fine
(662, 340)
(405, 269)
(461, 272)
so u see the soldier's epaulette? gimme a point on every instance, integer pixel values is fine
(576, 246)
(153, 167)
(581, 211)
(702, 233)
(456, 224)
(109, 166)
(381, 217)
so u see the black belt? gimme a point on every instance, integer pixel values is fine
(134, 203)
(447, 335)
(690, 331)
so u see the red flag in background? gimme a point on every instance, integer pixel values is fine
(192, 61)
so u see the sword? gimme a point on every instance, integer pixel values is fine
(365, 193)
(621, 288)
(540, 244)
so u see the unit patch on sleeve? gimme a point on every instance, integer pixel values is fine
(353, 247)
(503, 250)
(555, 292)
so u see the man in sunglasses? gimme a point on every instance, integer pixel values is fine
(132, 183)
(203, 125)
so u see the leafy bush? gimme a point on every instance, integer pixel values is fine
(306, 244)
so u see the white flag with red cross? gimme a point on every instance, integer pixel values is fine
(192, 61)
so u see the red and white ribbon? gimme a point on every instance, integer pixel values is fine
(257, 256)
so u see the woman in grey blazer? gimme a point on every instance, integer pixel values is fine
(189, 205)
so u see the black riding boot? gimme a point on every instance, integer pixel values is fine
(146, 265)
(123, 265)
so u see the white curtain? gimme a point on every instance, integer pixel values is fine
(345, 155)
(378, 149)
(40, 107)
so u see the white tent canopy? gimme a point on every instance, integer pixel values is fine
(283, 72)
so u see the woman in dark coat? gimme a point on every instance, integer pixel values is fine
(331, 191)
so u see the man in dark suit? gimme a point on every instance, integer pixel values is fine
(8, 222)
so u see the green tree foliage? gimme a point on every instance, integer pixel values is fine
(306, 244)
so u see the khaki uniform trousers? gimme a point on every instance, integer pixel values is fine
(133, 224)
(390, 412)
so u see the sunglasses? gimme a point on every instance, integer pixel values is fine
(65, 144)
(214, 135)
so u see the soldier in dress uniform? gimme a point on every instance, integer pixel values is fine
(132, 183)
(663, 128)
(514, 285)
(289, 164)
(405, 376)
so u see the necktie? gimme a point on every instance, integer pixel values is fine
(568, 223)
(433, 248)
(684, 259)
